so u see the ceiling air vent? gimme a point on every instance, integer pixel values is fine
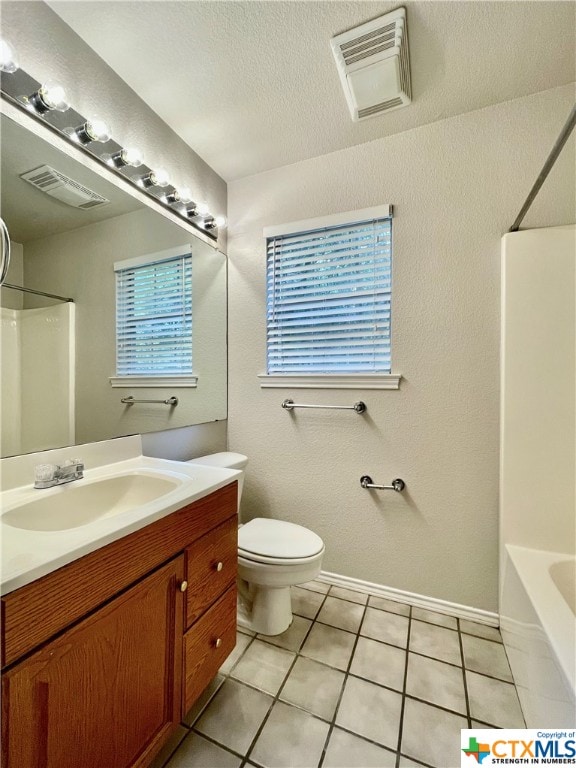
(373, 65)
(63, 188)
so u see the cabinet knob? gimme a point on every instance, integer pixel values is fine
(218, 642)
(219, 565)
(183, 586)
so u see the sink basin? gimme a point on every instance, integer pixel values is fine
(80, 503)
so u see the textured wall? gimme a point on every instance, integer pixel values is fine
(456, 186)
(48, 49)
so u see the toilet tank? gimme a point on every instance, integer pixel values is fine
(228, 460)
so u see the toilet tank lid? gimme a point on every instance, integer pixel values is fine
(227, 459)
(277, 538)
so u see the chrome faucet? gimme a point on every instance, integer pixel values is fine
(48, 475)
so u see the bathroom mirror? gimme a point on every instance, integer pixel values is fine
(58, 357)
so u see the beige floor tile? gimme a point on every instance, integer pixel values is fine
(290, 739)
(494, 701)
(486, 656)
(316, 586)
(436, 682)
(383, 604)
(234, 715)
(433, 617)
(405, 762)
(480, 630)
(438, 642)
(387, 627)
(264, 666)
(379, 663)
(370, 711)
(341, 613)
(242, 642)
(329, 645)
(294, 636)
(345, 750)
(431, 735)
(197, 752)
(349, 594)
(313, 687)
(306, 603)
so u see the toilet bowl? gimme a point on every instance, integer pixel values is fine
(273, 555)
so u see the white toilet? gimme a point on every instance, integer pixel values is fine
(272, 557)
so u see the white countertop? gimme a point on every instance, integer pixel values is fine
(29, 554)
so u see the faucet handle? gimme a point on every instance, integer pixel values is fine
(44, 475)
(43, 472)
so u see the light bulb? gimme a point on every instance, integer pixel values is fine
(185, 195)
(96, 130)
(49, 97)
(159, 178)
(220, 221)
(202, 209)
(129, 156)
(8, 62)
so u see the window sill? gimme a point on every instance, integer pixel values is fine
(331, 381)
(147, 382)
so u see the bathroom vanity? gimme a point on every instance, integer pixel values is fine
(103, 656)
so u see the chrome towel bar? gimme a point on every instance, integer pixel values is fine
(398, 485)
(359, 407)
(130, 401)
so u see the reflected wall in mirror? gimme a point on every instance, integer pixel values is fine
(58, 357)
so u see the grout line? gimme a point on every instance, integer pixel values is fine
(277, 696)
(342, 689)
(468, 716)
(403, 703)
(213, 741)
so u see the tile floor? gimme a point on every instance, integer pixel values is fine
(356, 681)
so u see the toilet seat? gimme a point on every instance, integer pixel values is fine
(277, 542)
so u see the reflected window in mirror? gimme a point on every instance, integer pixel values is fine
(154, 315)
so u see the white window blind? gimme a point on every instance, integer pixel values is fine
(328, 299)
(154, 316)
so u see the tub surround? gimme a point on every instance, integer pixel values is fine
(30, 554)
(537, 502)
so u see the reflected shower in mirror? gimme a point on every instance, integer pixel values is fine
(68, 228)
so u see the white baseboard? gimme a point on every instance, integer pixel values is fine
(421, 601)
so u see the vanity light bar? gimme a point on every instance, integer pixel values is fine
(48, 103)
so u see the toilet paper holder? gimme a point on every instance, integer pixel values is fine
(398, 484)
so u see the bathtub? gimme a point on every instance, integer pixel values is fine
(538, 625)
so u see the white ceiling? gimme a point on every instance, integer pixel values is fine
(252, 85)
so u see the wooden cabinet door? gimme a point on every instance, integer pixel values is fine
(106, 692)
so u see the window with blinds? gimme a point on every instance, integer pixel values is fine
(154, 315)
(328, 299)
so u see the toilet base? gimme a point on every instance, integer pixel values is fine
(265, 610)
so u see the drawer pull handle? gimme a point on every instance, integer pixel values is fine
(183, 586)
(218, 642)
(219, 566)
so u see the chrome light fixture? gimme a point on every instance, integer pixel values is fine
(48, 104)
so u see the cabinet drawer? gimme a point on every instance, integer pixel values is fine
(207, 645)
(211, 565)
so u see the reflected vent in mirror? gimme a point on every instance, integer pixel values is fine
(63, 188)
